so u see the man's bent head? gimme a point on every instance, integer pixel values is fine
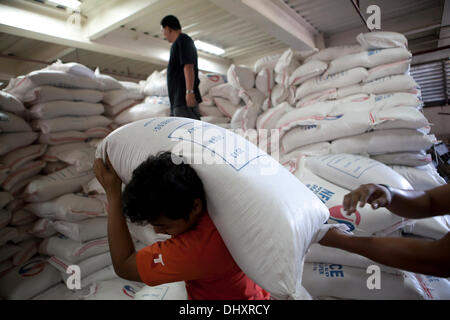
(169, 195)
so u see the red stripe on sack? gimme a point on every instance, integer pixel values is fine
(424, 287)
(387, 65)
(85, 212)
(29, 155)
(59, 262)
(371, 117)
(22, 260)
(268, 79)
(90, 245)
(15, 173)
(67, 139)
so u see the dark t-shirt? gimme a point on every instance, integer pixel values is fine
(183, 51)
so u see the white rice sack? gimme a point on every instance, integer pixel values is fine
(62, 137)
(93, 187)
(132, 87)
(142, 111)
(74, 68)
(7, 234)
(226, 91)
(87, 267)
(114, 289)
(167, 291)
(12, 141)
(50, 93)
(254, 97)
(245, 117)
(382, 39)
(211, 111)
(349, 171)
(114, 110)
(397, 99)
(349, 91)
(109, 83)
(336, 80)
(103, 274)
(10, 103)
(43, 228)
(344, 282)
(97, 132)
(72, 251)
(307, 71)
(267, 62)
(364, 221)
(27, 170)
(8, 251)
(384, 141)
(332, 53)
(215, 120)
(69, 207)
(432, 228)
(329, 94)
(292, 159)
(399, 118)
(395, 83)
(323, 254)
(287, 63)
(22, 85)
(19, 157)
(156, 85)
(115, 97)
(22, 217)
(270, 118)
(207, 101)
(300, 226)
(421, 178)
(81, 159)
(82, 231)
(399, 67)
(24, 233)
(5, 218)
(208, 81)
(226, 107)
(265, 81)
(411, 159)
(25, 281)
(14, 124)
(56, 184)
(241, 77)
(368, 59)
(54, 109)
(59, 292)
(279, 95)
(70, 123)
(52, 151)
(28, 249)
(5, 198)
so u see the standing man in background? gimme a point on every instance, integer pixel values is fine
(182, 71)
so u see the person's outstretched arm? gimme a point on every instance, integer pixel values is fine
(406, 203)
(416, 255)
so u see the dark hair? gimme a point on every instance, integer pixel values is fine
(172, 22)
(159, 187)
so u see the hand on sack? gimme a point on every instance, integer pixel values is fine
(376, 195)
(107, 177)
(190, 100)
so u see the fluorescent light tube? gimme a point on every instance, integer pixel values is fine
(208, 47)
(72, 4)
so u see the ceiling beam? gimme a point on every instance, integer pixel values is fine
(275, 18)
(112, 14)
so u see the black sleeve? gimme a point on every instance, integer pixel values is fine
(187, 51)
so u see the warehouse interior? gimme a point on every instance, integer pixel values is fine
(123, 40)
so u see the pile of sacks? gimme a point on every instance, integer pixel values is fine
(52, 209)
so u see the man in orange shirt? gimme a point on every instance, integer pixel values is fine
(171, 198)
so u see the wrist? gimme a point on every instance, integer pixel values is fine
(189, 91)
